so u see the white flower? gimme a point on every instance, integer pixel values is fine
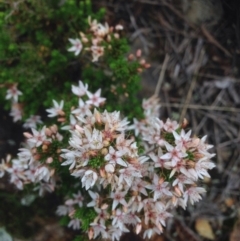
(99, 229)
(95, 199)
(101, 30)
(174, 154)
(115, 157)
(77, 46)
(83, 108)
(183, 139)
(97, 52)
(78, 199)
(38, 137)
(159, 188)
(114, 233)
(118, 197)
(4, 236)
(89, 179)
(42, 173)
(170, 126)
(193, 194)
(80, 90)
(56, 110)
(4, 165)
(95, 99)
(128, 174)
(148, 233)
(73, 122)
(74, 223)
(62, 210)
(94, 138)
(158, 161)
(32, 121)
(16, 112)
(13, 93)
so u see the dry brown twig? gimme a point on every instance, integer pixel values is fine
(161, 76)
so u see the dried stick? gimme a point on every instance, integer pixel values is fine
(162, 73)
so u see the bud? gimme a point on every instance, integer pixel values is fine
(139, 53)
(109, 38)
(61, 112)
(191, 164)
(27, 135)
(147, 65)
(138, 228)
(104, 206)
(142, 62)
(90, 233)
(61, 119)
(49, 160)
(102, 173)
(106, 143)
(54, 128)
(97, 116)
(125, 209)
(178, 192)
(161, 180)
(119, 27)
(44, 147)
(130, 57)
(116, 35)
(184, 123)
(104, 151)
(84, 40)
(48, 132)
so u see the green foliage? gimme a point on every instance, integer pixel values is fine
(190, 156)
(86, 215)
(169, 137)
(33, 43)
(96, 162)
(64, 221)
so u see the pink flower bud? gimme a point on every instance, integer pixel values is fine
(116, 35)
(139, 53)
(142, 61)
(130, 57)
(27, 135)
(48, 132)
(109, 38)
(54, 129)
(147, 65)
(138, 228)
(49, 160)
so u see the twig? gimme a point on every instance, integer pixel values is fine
(162, 73)
(212, 40)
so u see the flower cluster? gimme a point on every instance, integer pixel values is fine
(142, 62)
(137, 188)
(33, 164)
(121, 182)
(96, 40)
